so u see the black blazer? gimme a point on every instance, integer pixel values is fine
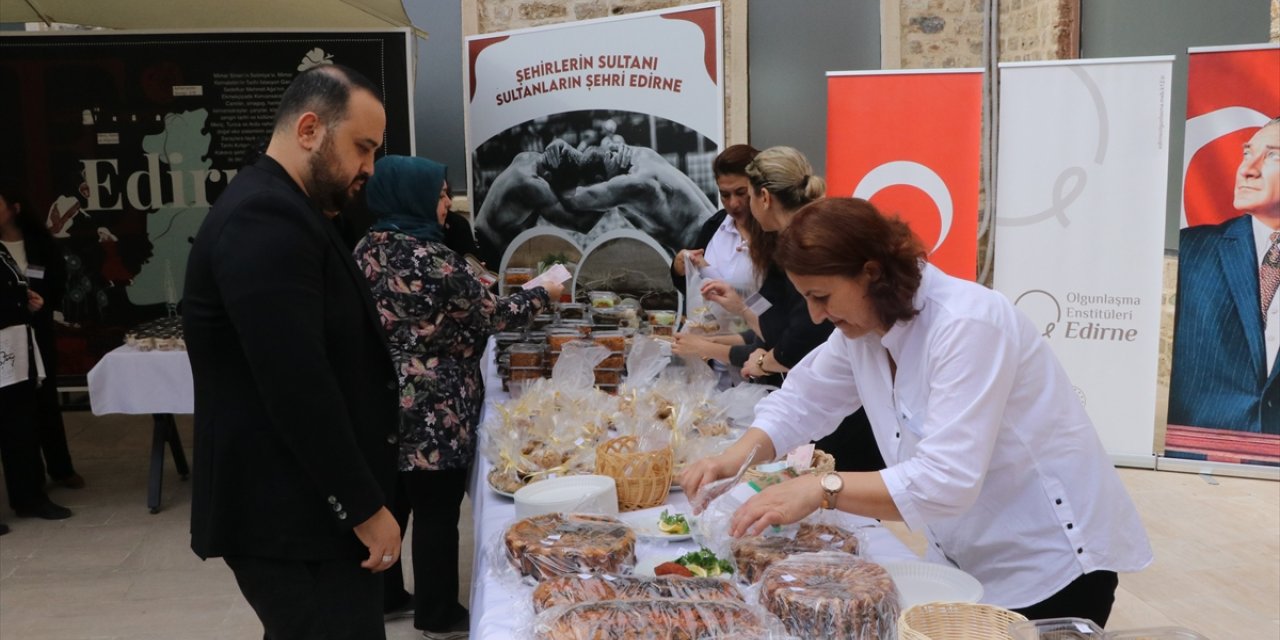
(43, 252)
(13, 292)
(1220, 377)
(295, 393)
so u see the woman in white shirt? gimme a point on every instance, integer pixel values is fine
(990, 454)
(721, 247)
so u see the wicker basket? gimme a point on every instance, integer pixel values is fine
(643, 477)
(956, 621)
(822, 463)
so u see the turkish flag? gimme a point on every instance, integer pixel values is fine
(911, 143)
(1231, 92)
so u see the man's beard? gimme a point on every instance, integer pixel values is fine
(327, 189)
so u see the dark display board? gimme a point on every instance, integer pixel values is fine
(123, 140)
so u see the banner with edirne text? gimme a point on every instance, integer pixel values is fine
(591, 144)
(1080, 211)
(911, 143)
(1224, 385)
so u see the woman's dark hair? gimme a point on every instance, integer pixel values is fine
(30, 222)
(847, 236)
(760, 245)
(733, 160)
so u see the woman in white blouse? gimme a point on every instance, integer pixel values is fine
(990, 454)
(721, 247)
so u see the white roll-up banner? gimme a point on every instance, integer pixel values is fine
(1080, 213)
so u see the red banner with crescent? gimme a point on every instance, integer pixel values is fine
(911, 143)
(1230, 93)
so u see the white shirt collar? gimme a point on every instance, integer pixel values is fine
(727, 225)
(1261, 238)
(894, 337)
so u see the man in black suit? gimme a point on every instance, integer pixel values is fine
(295, 394)
(1227, 332)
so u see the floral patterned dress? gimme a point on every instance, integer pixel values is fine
(438, 317)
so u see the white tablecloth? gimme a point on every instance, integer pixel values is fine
(500, 608)
(127, 380)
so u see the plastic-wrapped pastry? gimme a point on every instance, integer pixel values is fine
(557, 544)
(572, 589)
(832, 595)
(649, 620)
(754, 555)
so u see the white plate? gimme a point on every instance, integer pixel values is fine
(920, 582)
(645, 524)
(501, 492)
(568, 494)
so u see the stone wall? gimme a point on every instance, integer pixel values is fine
(502, 15)
(1039, 29)
(949, 33)
(940, 33)
(1275, 21)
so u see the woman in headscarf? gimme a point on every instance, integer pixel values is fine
(438, 316)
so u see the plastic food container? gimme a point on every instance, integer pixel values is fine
(662, 317)
(505, 339)
(606, 318)
(558, 337)
(603, 299)
(516, 276)
(573, 311)
(542, 320)
(525, 355)
(614, 340)
(1056, 629)
(526, 373)
(615, 361)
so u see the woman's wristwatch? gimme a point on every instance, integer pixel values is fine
(832, 484)
(760, 363)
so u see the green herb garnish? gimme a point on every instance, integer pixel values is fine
(673, 524)
(706, 562)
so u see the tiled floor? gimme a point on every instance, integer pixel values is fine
(115, 571)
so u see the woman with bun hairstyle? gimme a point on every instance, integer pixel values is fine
(782, 181)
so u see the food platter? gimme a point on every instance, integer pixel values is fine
(645, 524)
(646, 566)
